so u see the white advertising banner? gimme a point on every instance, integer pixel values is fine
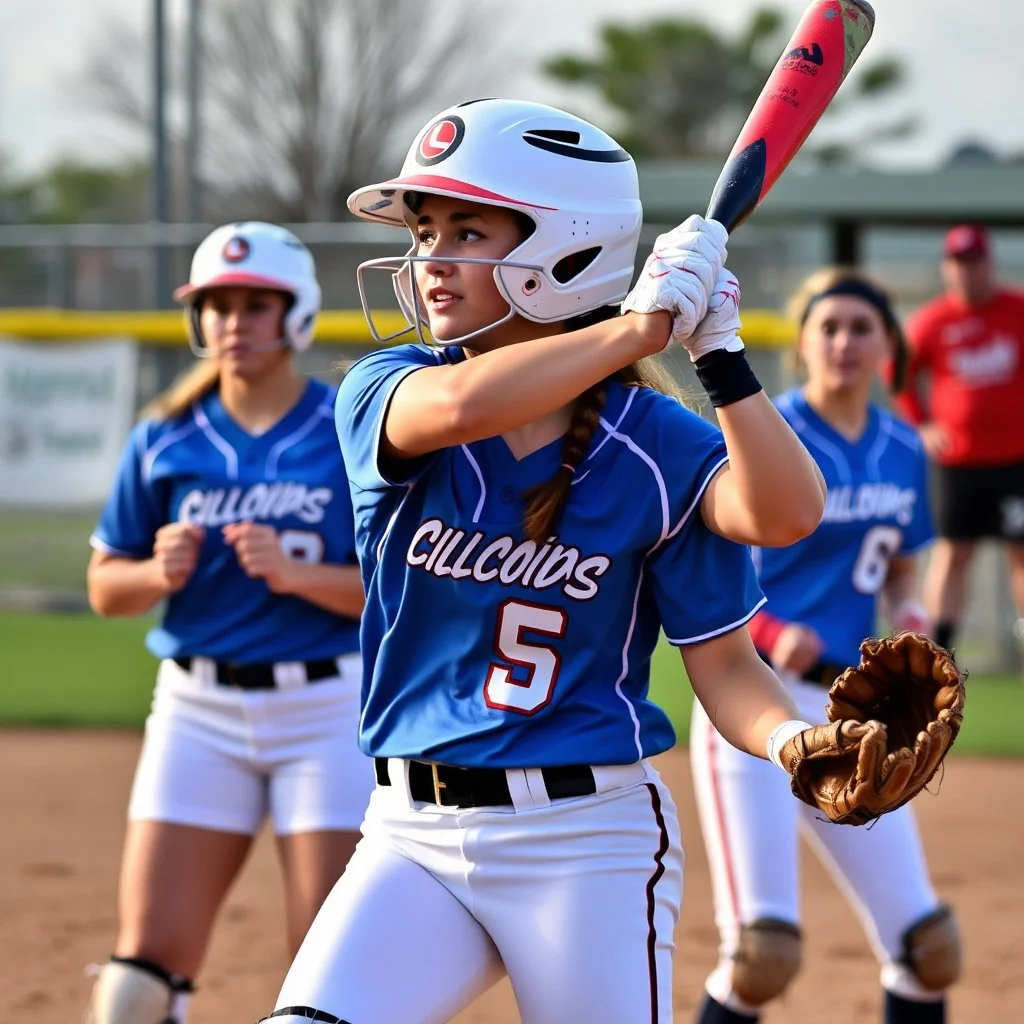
(65, 411)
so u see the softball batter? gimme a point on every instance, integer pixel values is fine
(823, 597)
(530, 512)
(232, 503)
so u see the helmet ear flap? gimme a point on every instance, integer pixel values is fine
(403, 281)
(196, 341)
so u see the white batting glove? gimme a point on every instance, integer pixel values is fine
(680, 274)
(721, 325)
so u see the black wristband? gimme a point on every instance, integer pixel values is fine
(726, 376)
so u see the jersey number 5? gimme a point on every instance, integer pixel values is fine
(540, 662)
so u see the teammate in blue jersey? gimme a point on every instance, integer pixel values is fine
(530, 511)
(824, 596)
(231, 503)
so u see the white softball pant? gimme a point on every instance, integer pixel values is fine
(222, 758)
(576, 899)
(751, 820)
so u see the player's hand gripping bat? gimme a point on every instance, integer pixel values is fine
(830, 37)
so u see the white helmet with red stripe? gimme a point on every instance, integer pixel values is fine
(253, 254)
(574, 182)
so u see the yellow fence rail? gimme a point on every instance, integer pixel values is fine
(761, 328)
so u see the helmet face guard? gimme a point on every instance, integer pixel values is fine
(403, 277)
(577, 186)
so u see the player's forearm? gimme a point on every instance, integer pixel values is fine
(899, 601)
(125, 586)
(773, 494)
(499, 391)
(338, 588)
(742, 696)
(900, 583)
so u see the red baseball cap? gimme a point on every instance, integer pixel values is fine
(966, 240)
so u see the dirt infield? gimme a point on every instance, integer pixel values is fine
(62, 798)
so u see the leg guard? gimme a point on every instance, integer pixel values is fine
(131, 991)
(931, 950)
(766, 961)
(713, 1012)
(300, 1014)
(906, 1011)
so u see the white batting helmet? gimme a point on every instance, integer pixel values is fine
(577, 185)
(254, 254)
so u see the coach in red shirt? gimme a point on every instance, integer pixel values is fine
(970, 344)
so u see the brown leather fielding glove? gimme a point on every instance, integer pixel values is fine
(892, 720)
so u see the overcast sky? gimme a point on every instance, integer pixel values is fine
(965, 62)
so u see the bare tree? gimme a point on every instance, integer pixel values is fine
(303, 100)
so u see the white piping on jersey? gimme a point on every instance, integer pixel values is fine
(902, 433)
(165, 442)
(652, 465)
(102, 546)
(637, 741)
(483, 486)
(321, 412)
(894, 430)
(871, 463)
(391, 522)
(379, 426)
(218, 442)
(721, 629)
(607, 437)
(666, 532)
(611, 430)
(705, 483)
(889, 429)
(802, 428)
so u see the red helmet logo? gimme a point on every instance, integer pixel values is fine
(235, 249)
(440, 140)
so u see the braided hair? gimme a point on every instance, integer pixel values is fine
(546, 501)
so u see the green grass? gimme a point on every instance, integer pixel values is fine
(79, 670)
(74, 670)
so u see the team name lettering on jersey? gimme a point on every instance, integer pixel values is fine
(847, 504)
(220, 505)
(444, 550)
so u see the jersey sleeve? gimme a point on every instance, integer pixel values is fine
(920, 532)
(134, 510)
(363, 400)
(704, 585)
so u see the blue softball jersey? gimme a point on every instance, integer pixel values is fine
(876, 509)
(483, 648)
(203, 468)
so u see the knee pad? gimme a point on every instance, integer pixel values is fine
(931, 949)
(132, 991)
(766, 961)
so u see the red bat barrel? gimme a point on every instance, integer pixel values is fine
(825, 45)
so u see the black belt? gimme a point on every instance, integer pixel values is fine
(261, 677)
(448, 786)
